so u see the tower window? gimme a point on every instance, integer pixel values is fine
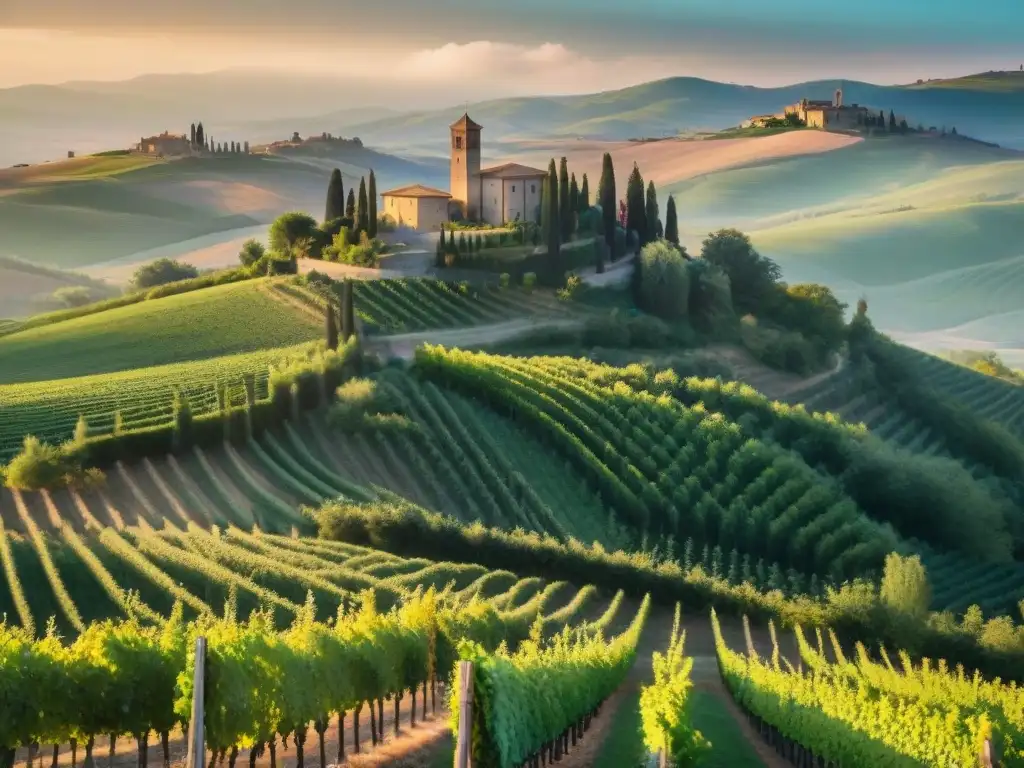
(533, 189)
(458, 142)
(513, 187)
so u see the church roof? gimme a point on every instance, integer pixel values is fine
(415, 190)
(466, 122)
(514, 171)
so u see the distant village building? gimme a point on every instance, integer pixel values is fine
(494, 195)
(829, 114)
(819, 113)
(166, 144)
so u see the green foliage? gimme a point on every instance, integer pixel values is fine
(252, 251)
(710, 304)
(607, 199)
(671, 222)
(665, 709)
(162, 271)
(636, 206)
(335, 206)
(869, 713)
(651, 220)
(529, 281)
(288, 229)
(905, 587)
(365, 252)
(73, 296)
(752, 277)
(664, 283)
(39, 465)
(524, 700)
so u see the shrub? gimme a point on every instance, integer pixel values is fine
(363, 253)
(504, 279)
(783, 350)
(529, 280)
(72, 296)
(162, 271)
(288, 228)
(710, 306)
(752, 276)
(905, 587)
(664, 281)
(386, 223)
(251, 252)
(573, 285)
(39, 465)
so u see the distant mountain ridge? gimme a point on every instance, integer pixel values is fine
(44, 122)
(680, 104)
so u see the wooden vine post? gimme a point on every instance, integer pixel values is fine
(196, 737)
(988, 755)
(464, 745)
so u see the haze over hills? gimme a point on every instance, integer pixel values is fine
(44, 122)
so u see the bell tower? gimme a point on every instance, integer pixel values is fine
(465, 166)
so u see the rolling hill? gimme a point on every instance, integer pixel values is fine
(682, 104)
(94, 210)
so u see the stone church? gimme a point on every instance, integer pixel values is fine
(495, 195)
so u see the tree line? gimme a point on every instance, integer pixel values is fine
(201, 142)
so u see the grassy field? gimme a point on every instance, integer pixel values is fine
(217, 321)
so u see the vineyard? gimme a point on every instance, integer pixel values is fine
(223, 320)
(412, 304)
(867, 711)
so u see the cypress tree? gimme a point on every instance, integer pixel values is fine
(193, 135)
(335, 208)
(651, 211)
(553, 233)
(636, 212)
(362, 209)
(574, 197)
(564, 203)
(200, 136)
(350, 205)
(348, 324)
(247, 147)
(439, 260)
(671, 223)
(583, 200)
(892, 121)
(331, 326)
(371, 230)
(606, 198)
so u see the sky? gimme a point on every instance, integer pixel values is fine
(530, 46)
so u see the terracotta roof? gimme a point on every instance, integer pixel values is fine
(415, 190)
(466, 122)
(513, 171)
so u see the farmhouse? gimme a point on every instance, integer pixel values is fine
(495, 195)
(417, 206)
(165, 144)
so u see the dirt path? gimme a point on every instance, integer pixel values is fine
(777, 385)
(409, 741)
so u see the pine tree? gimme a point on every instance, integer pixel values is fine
(607, 199)
(636, 212)
(362, 210)
(371, 192)
(584, 196)
(671, 224)
(553, 233)
(335, 208)
(651, 211)
(350, 205)
(564, 203)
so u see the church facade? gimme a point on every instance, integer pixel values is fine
(495, 195)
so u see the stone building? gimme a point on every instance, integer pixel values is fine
(167, 144)
(416, 206)
(833, 115)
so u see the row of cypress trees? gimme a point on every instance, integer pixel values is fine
(361, 210)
